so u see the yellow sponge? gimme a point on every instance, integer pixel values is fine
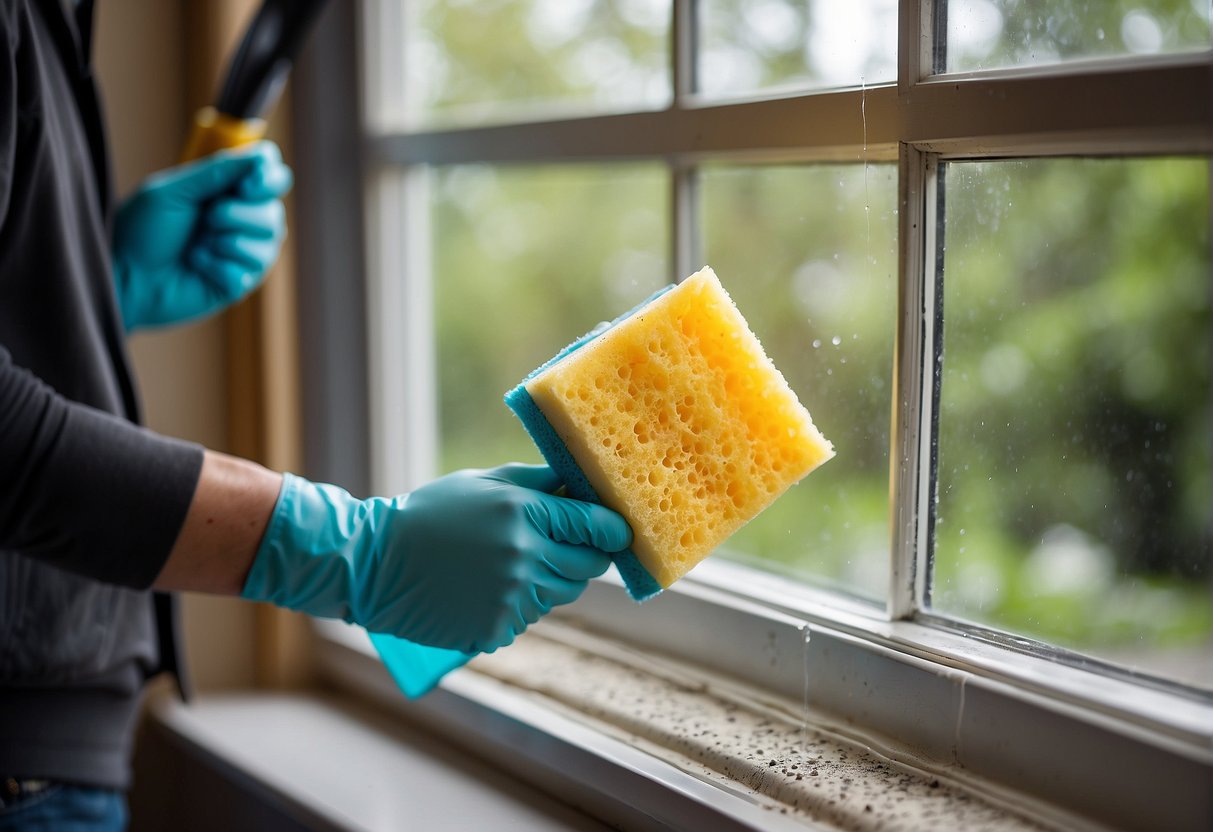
(680, 422)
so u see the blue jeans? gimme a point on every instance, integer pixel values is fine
(60, 807)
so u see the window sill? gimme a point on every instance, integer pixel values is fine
(631, 740)
(1059, 745)
(644, 745)
(314, 761)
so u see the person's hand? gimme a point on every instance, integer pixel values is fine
(198, 237)
(465, 562)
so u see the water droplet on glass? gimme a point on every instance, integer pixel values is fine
(836, 340)
(816, 343)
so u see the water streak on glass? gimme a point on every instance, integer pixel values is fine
(1075, 467)
(479, 61)
(791, 245)
(748, 46)
(985, 34)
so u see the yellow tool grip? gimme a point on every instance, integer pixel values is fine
(213, 131)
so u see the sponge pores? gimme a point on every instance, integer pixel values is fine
(680, 422)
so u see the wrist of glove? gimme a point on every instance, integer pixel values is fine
(465, 562)
(195, 238)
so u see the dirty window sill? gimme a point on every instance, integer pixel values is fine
(607, 681)
(644, 744)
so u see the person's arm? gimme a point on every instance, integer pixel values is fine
(223, 527)
(84, 490)
(464, 562)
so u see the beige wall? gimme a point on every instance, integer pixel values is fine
(140, 53)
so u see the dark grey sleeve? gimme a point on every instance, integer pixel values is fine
(85, 490)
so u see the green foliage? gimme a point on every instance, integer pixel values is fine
(808, 254)
(1076, 397)
(526, 260)
(997, 33)
(489, 57)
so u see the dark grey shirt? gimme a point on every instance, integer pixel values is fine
(90, 503)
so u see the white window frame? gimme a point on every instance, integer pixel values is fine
(997, 707)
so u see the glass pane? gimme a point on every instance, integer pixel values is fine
(751, 45)
(474, 61)
(982, 34)
(808, 253)
(525, 260)
(1075, 469)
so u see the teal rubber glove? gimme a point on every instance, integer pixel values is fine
(464, 563)
(196, 238)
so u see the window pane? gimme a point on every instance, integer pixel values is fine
(484, 60)
(526, 260)
(982, 34)
(1075, 476)
(814, 272)
(751, 45)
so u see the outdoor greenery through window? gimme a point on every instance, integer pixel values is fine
(471, 61)
(526, 259)
(808, 253)
(983, 34)
(1071, 491)
(1076, 409)
(747, 46)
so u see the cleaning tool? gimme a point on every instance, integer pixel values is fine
(671, 415)
(674, 416)
(219, 218)
(254, 79)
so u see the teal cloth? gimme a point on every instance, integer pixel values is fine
(416, 668)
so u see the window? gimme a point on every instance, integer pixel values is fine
(982, 34)
(1073, 469)
(974, 234)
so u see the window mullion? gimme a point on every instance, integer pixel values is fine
(916, 48)
(915, 43)
(685, 248)
(684, 224)
(682, 51)
(909, 466)
(419, 370)
(384, 99)
(403, 392)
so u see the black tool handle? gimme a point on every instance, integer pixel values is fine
(261, 64)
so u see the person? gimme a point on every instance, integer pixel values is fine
(100, 518)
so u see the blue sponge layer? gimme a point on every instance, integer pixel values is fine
(640, 584)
